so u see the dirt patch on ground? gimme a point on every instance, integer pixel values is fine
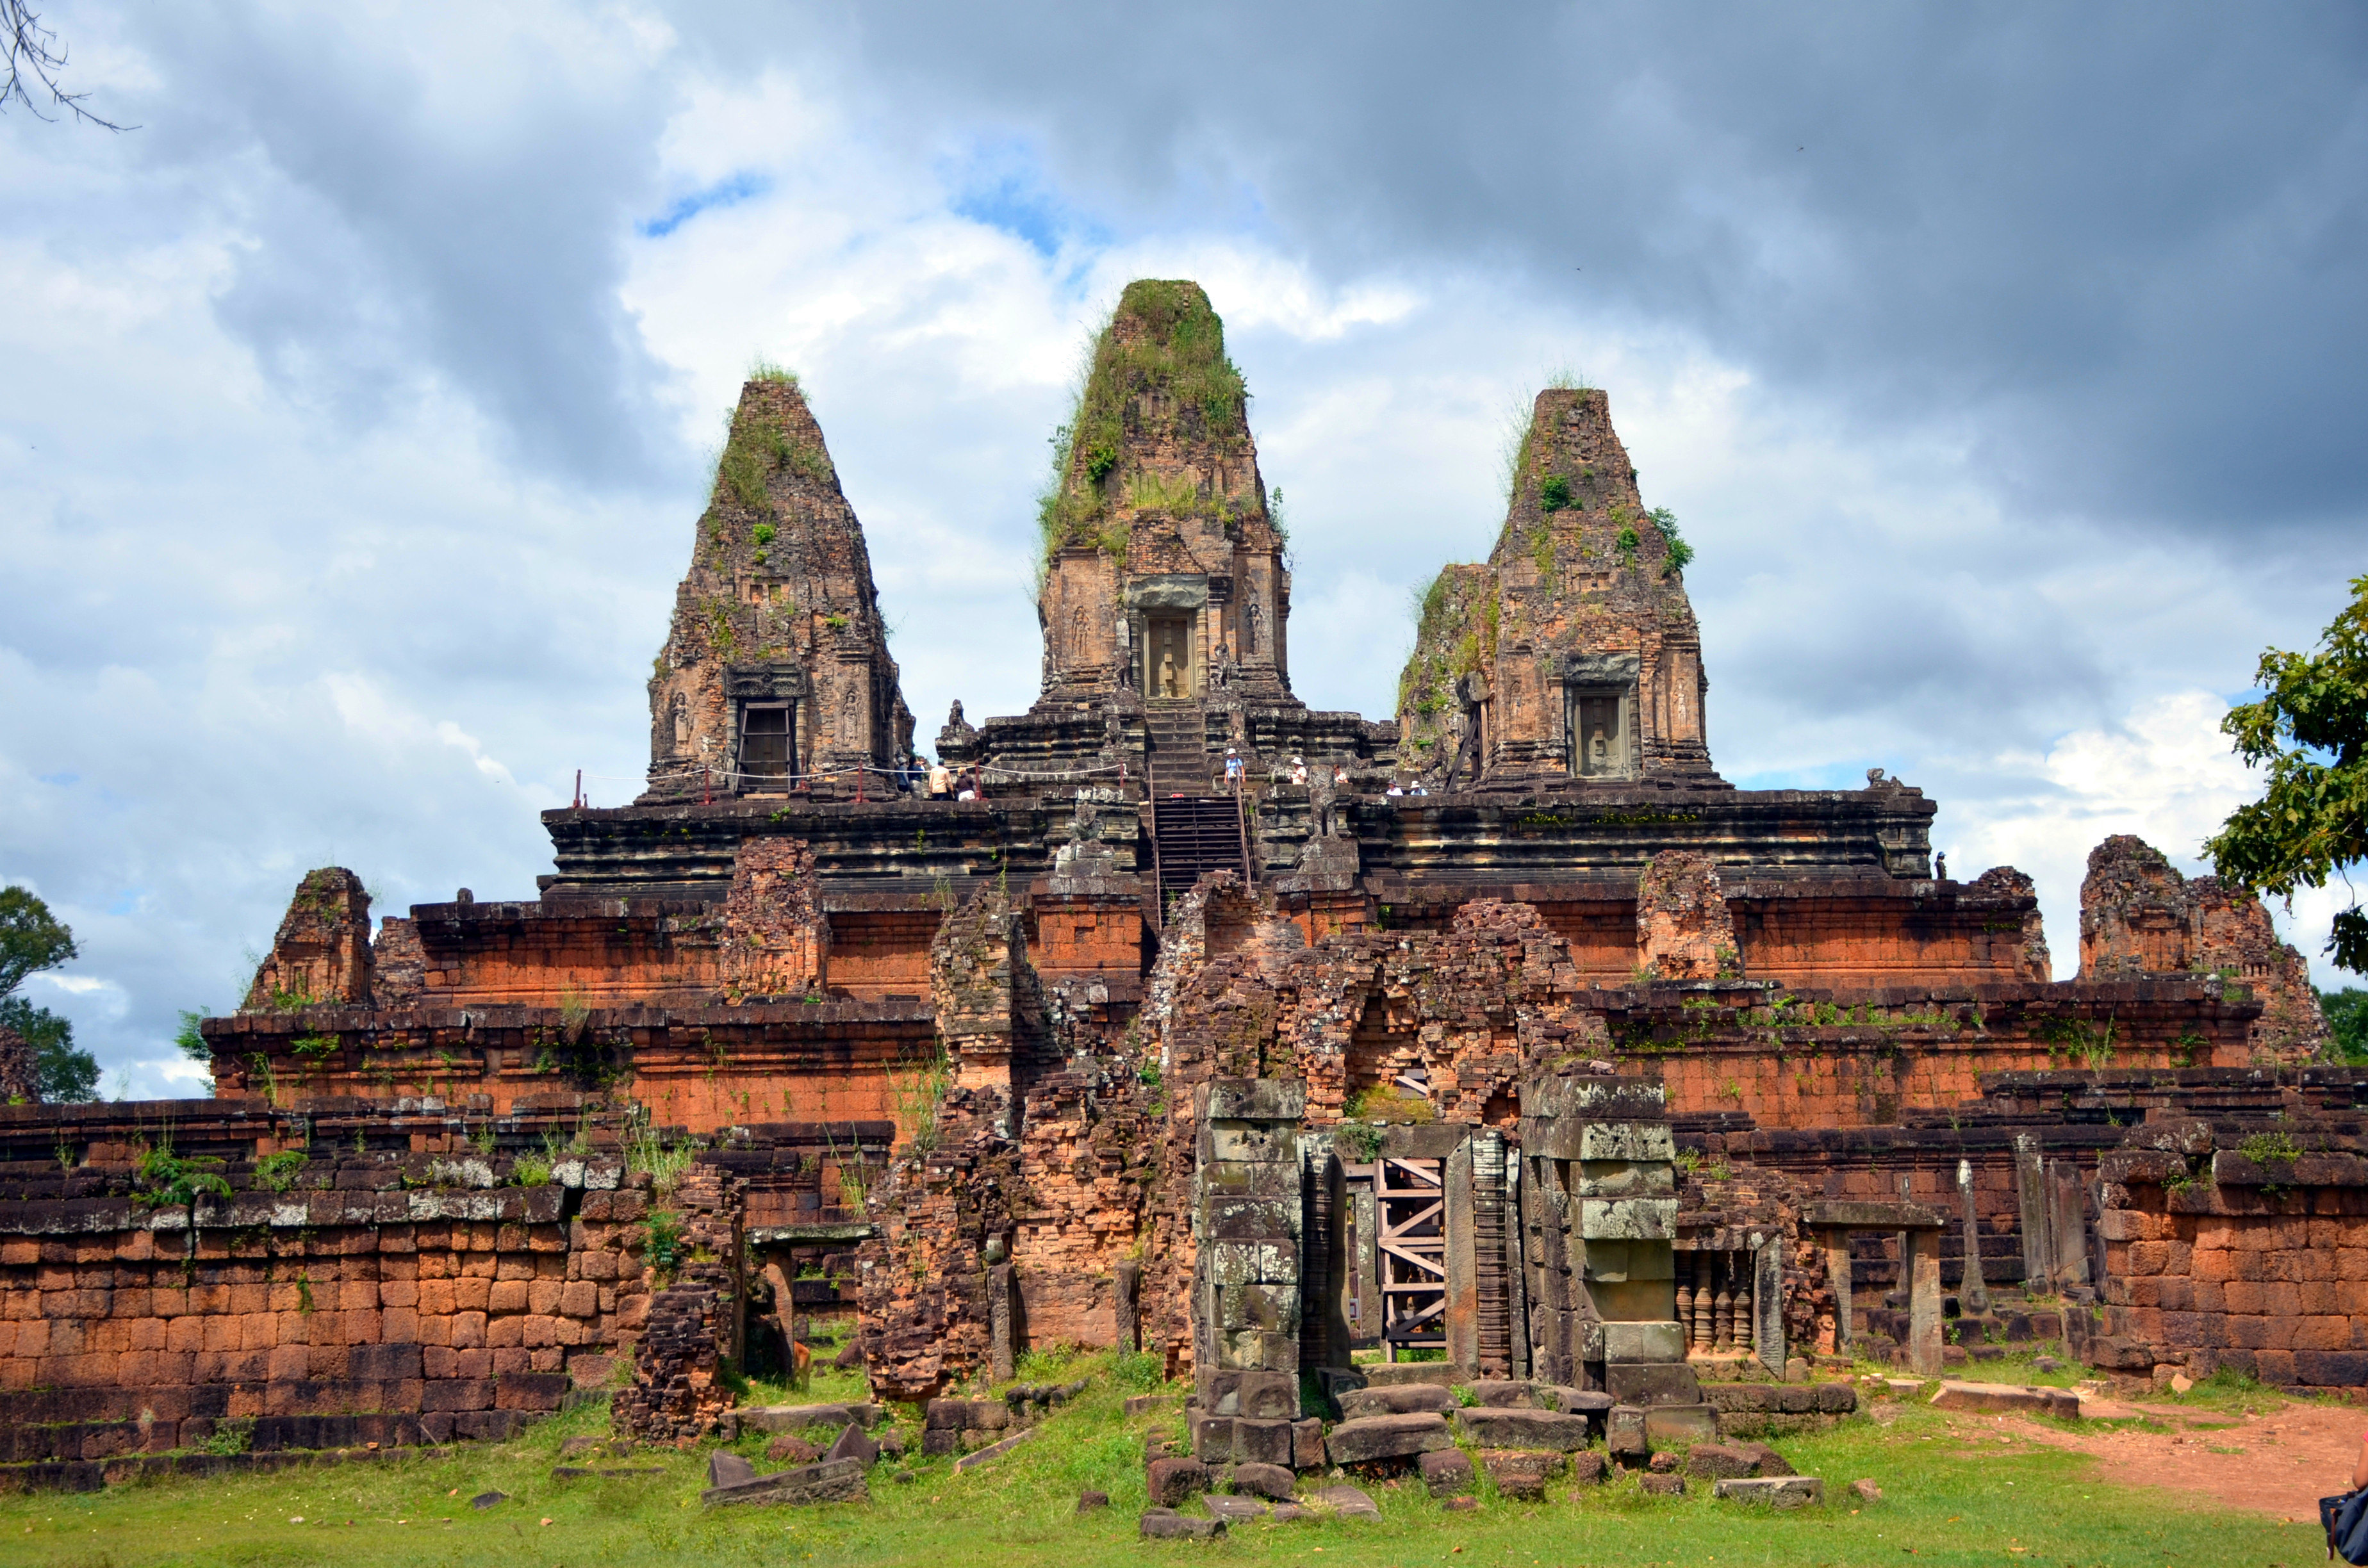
(2279, 1463)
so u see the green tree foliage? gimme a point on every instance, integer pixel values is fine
(31, 940)
(2347, 1020)
(2310, 730)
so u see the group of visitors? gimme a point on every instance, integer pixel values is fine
(936, 781)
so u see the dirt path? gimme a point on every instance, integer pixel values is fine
(2281, 1463)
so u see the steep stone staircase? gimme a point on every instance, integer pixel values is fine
(1197, 830)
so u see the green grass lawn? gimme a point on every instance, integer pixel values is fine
(1946, 1501)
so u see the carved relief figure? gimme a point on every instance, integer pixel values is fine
(1123, 638)
(1167, 672)
(680, 715)
(1598, 753)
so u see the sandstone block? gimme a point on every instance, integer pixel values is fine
(1387, 1436)
(1534, 1430)
(1403, 1399)
(1265, 1479)
(1166, 1524)
(1520, 1473)
(1665, 1382)
(1679, 1426)
(833, 1481)
(1175, 1480)
(1447, 1472)
(1776, 1491)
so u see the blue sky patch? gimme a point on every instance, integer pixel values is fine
(729, 192)
(1003, 186)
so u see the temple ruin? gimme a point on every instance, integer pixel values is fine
(1627, 1098)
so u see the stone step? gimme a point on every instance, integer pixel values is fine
(1776, 1491)
(1387, 1436)
(1538, 1429)
(1395, 1399)
(1378, 1374)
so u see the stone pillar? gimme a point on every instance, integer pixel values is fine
(1129, 1302)
(1002, 1355)
(1973, 1293)
(2031, 1194)
(1463, 1311)
(1247, 1205)
(1922, 1267)
(2065, 1206)
(1837, 1277)
(1768, 1304)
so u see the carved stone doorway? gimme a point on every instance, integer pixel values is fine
(1167, 657)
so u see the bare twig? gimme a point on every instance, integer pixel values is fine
(36, 59)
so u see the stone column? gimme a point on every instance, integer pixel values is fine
(1129, 1300)
(1463, 1313)
(2065, 1206)
(1922, 1267)
(1248, 1207)
(1768, 1304)
(1973, 1294)
(1002, 1355)
(2031, 1194)
(1838, 1275)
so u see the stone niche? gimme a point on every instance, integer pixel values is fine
(771, 706)
(1599, 718)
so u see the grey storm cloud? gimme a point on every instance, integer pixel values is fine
(458, 212)
(2124, 244)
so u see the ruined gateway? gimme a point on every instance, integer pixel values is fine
(1583, 1069)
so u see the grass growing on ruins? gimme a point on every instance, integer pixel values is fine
(1952, 1495)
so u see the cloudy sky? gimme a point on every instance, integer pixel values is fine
(2005, 364)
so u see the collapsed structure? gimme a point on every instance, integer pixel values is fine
(1584, 1070)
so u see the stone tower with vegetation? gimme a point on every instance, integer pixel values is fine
(775, 673)
(1163, 569)
(1571, 654)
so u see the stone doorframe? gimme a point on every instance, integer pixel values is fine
(1919, 1229)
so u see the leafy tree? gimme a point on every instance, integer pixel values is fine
(2311, 729)
(66, 1075)
(31, 940)
(2347, 1019)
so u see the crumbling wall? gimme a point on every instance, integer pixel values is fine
(1683, 928)
(776, 939)
(2253, 1257)
(2140, 916)
(331, 1299)
(322, 954)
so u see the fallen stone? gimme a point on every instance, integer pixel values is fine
(903, 1478)
(1387, 1437)
(892, 1443)
(1589, 1468)
(2046, 1364)
(1089, 1501)
(729, 1470)
(1776, 1491)
(1591, 1402)
(1307, 1444)
(1661, 1485)
(833, 1481)
(849, 1355)
(1149, 1404)
(1718, 1461)
(1173, 1481)
(1347, 1502)
(1265, 1481)
(1662, 1464)
(794, 1448)
(1623, 1430)
(1545, 1429)
(994, 1450)
(1520, 1473)
(1765, 1461)
(2007, 1399)
(1164, 1524)
(1903, 1387)
(1652, 1382)
(2180, 1382)
(487, 1499)
(571, 1448)
(1447, 1472)
(1234, 1510)
(798, 1418)
(1464, 1504)
(1356, 1404)
(1679, 1426)
(1866, 1491)
(854, 1444)
(1497, 1393)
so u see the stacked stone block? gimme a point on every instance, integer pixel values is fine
(1247, 1216)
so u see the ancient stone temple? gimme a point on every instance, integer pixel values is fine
(1572, 655)
(1636, 1099)
(775, 674)
(1164, 599)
